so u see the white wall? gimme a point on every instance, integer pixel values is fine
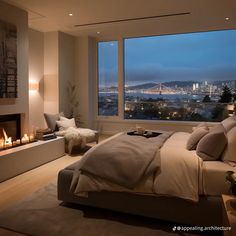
(19, 18)
(66, 61)
(36, 73)
(51, 73)
(81, 76)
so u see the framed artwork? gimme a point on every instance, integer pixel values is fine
(8, 60)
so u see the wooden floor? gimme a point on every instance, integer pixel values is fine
(16, 189)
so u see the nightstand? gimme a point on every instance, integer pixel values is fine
(229, 214)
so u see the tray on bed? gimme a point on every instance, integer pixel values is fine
(146, 134)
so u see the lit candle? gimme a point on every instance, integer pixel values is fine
(25, 139)
(31, 138)
(14, 143)
(18, 141)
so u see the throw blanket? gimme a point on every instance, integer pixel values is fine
(75, 137)
(124, 160)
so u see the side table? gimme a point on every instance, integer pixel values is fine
(229, 214)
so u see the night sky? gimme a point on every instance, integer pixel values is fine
(207, 56)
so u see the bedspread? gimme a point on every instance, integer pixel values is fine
(178, 175)
(124, 160)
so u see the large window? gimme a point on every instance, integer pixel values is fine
(108, 78)
(180, 77)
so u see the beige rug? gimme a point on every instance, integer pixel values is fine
(42, 214)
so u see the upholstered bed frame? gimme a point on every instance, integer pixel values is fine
(207, 212)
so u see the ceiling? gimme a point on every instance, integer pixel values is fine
(199, 15)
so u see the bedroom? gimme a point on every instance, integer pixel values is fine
(60, 54)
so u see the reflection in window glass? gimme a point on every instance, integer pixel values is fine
(108, 78)
(181, 77)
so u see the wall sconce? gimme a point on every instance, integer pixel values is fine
(230, 108)
(33, 85)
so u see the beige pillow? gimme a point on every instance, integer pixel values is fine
(196, 136)
(65, 123)
(229, 123)
(202, 124)
(230, 151)
(212, 145)
(51, 120)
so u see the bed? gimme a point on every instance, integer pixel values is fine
(200, 205)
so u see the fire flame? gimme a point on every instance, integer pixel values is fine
(5, 141)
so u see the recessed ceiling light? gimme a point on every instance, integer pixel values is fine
(226, 18)
(70, 14)
(98, 32)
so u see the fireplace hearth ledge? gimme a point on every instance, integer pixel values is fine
(20, 159)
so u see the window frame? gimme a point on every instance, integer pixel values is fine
(121, 82)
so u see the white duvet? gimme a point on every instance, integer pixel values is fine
(179, 175)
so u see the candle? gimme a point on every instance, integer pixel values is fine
(18, 141)
(14, 143)
(25, 139)
(31, 138)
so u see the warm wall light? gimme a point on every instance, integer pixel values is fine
(33, 85)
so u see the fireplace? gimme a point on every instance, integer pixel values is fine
(12, 125)
(10, 129)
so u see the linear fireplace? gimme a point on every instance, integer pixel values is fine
(12, 126)
(10, 132)
(10, 129)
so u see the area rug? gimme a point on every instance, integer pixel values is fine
(42, 214)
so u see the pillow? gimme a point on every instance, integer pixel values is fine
(202, 124)
(63, 118)
(196, 136)
(230, 151)
(51, 120)
(229, 123)
(65, 124)
(212, 145)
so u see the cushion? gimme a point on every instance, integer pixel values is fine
(212, 145)
(65, 123)
(229, 123)
(196, 136)
(202, 124)
(51, 120)
(230, 151)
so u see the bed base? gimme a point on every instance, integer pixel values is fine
(207, 212)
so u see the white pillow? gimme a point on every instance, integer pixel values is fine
(65, 123)
(230, 152)
(63, 118)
